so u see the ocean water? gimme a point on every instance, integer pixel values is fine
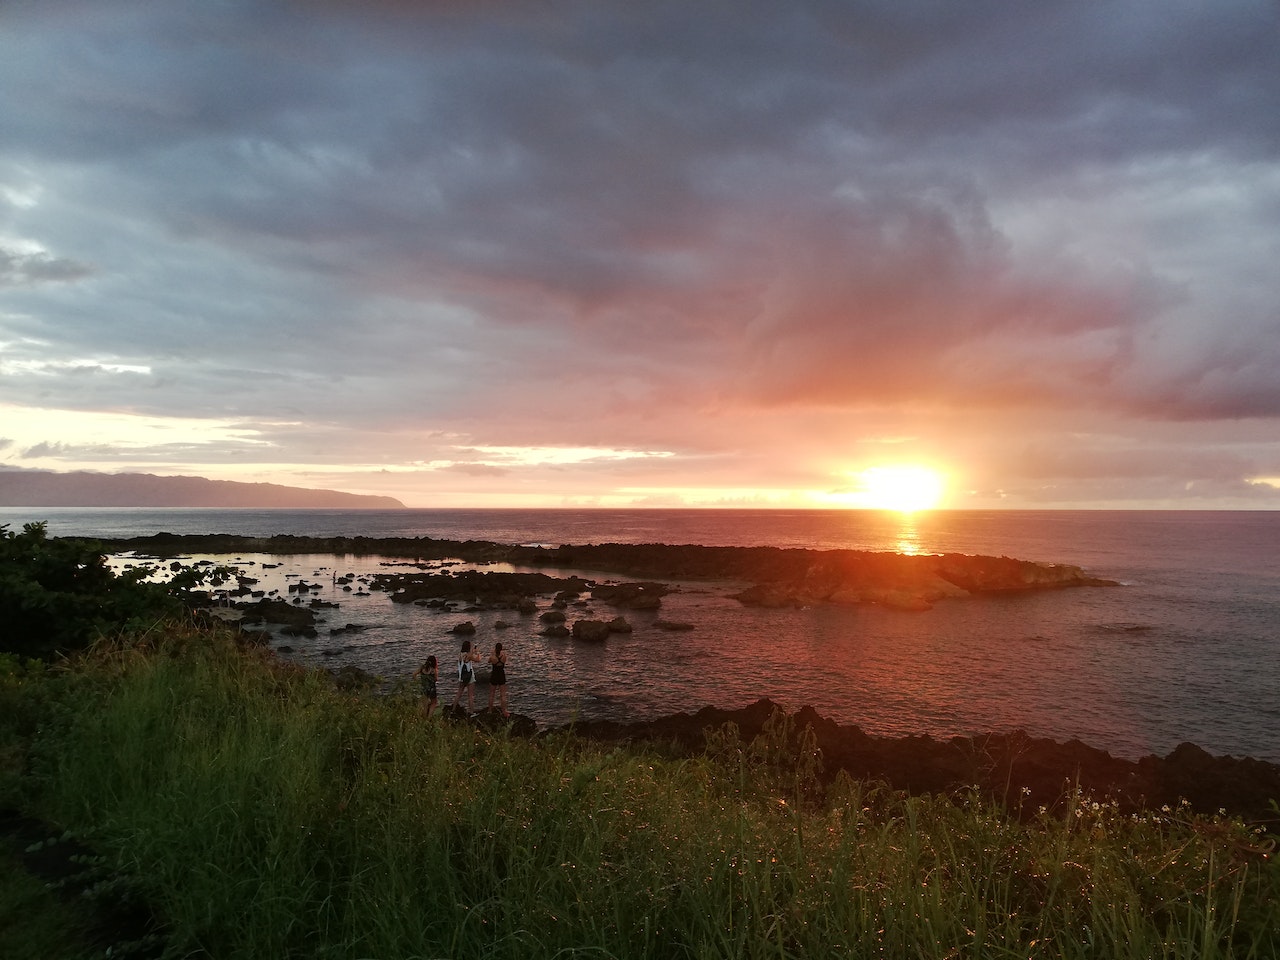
(1187, 648)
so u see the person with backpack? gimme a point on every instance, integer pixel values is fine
(467, 676)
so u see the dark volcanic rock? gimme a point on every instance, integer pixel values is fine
(907, 582)
(632, 596)
(276, 610)
(1021, 771)
(781, 576)
(516, 725)
(592, 631)
(507, 590)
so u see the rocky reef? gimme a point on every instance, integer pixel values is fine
(1018, 770)
(776, 576)
(501, 590)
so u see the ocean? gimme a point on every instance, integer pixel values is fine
(1187, 648)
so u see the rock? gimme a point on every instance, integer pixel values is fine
(778, 576)
(905, 582)
(592, 631)
(619, 625)
(349, 628)
(1001, 765)
(464, 628)
(552, 616)
(517, 725)
(254, 638)
(632, 596)
(507, 590)
(276, 610)
(454, 714)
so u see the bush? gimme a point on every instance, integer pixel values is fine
(59, 595)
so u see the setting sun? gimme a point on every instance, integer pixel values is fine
(901, 488)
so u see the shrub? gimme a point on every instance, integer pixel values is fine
(59, 595)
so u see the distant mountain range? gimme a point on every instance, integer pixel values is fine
(44, 488)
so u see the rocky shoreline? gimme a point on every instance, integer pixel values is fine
(776, 576)
(1020, 771)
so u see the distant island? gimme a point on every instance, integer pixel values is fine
(46, 488)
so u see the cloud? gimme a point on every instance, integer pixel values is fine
(644, 227)
(27, 269)
(475, 469)
(48, 449)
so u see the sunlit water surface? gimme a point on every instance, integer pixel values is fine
(1187, 649)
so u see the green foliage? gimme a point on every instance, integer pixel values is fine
(34, 924)
(58, 595)
(270, 814)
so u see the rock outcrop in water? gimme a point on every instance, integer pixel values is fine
(1019, 770)
(778, 576)
(504, 590)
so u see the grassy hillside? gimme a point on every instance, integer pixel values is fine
(261, 812)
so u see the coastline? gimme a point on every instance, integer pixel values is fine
(778, 576)
(1209, 782)
(1022, 772)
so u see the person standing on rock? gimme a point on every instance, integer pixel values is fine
(427, 673)
(498, 678)
(467, 676)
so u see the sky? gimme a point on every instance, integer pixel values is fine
(702, 254)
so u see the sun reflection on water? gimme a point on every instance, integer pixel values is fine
(908, 536)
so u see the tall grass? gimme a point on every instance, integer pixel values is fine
(271, 815)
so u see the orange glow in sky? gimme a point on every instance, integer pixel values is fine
(567, 265)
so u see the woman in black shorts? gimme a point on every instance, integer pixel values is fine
(498, 678)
